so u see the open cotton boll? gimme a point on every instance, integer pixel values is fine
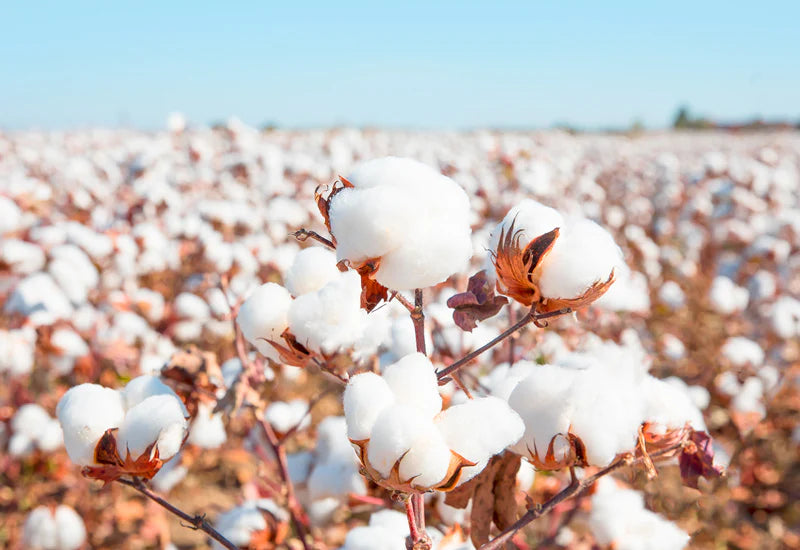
(668, 406)
(191, 306)
(330, 319)
(480, 428)
(531, 218)
(17, 350)
(727, 297)
(583, 254)
(40, 299)
(263, 316)
(365, 397)
(70, 345)
(373, 538)
(427, 461)
(85, 413)
(332, 440)
(156, 420)
(544, 403)
(311, 270)
(406, 213)
(413, 382)
(208, 429)
(286, 415)
(142, 387)
(45, 530)
(619, 517)
(33, 428)
(21, 256)
(335, 478)
(741, 351)
(394, 432)
(785, 316)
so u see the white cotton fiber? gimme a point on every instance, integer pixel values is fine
(45, 530)
(394, 432)
(727, 297)
(142, 387)
(408, 214)
(158, 419)
(584, 253)
(263, 316)
(668, 406)
(85, 413)
(34, 428)
(239, 524)
(17, 350)
(785, 316)
(285, 415)
(741, 351)
(208, 429)
(70, 528)
(428, 458)
(531, 219)
(544, 403)
(335, 478)
(413, 382)
(619, 518)
(191, 306)
(312, 269)
(480, 428)
(365, 397)
(330, 319)
(22, 257)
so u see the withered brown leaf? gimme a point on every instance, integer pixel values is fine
(697, 460)
(477, 303)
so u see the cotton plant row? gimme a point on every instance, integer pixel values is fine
(211, 202)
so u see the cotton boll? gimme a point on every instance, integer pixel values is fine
(372, 538)
(413, 382)
(191, 306)
(330, 319)
(17, 350)
(74, 272)
(286, 415)
(543, 402)
(239, 524)
(365, 397)
(480, 427)
(311, 270)
(263, 316)
(299, 466)
(451, 515)
(408, 214)
(208, 429)
(502, 379)
(156, 420)
(619, 517)
(673, 347)
(170, 474)
(427, 461)
(669, 406)
(70, 529)
(335, 478)
(10, 215)
(32, 428)
(21, 256)
(332, 440)
(741, 351)
(71, 347)
(394, 432)
(38, 294)
(40, 531)
(671, 294)
(785, 316)
(726, 297)
(142, 387)
(529, 217)
(150, 303)
(584, 253)
(85, 413)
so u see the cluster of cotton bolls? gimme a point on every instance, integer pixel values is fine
(34, 429)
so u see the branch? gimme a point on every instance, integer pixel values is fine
(196, 522)
(416, 501)
(303, 235)
(574, 488)
(529, 317)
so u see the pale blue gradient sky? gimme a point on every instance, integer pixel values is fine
(408, 64)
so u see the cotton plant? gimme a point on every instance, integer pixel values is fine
(131, 431)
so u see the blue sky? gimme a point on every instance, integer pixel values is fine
(407, 64)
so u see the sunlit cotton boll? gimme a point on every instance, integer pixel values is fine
(207, 429)
(741, 351)
(263, 316)
(330, 319)
(285, 415)
(311, 270)
(239, 524)
(34, 428)
(85, 413)
(365, 397)
(727, 297)
(409, 215)
(157, 420)
(45, 530)
(413, 382)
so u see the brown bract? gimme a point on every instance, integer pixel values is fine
(395, 483)
(324, 203)
(273, 536)
(112, 466)
(195, 376)
(575, 456)
(519, 270)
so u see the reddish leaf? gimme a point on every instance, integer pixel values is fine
(478, 303)
(505, 482)
(697, 459)
(483, 505)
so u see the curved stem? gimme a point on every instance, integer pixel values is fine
(529, 317)
(195, 522)
(417, 502)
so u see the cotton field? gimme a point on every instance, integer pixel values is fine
(282, 335)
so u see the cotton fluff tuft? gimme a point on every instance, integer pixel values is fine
(311, 270)
(45, 530)
(85, 413)
(285, 415)
(263, 316)
(208, 429)
(413, 382)
(366, 395)
(330, 319)
(396, 429)
(408, 214)
(619, 517)
(158, 419)
(584, 253)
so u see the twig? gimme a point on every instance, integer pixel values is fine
(417, 501)
(529, 317)
(303, 235)
(295, 510)
(574, 488)
(194, 522)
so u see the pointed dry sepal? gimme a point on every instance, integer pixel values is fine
(324, 202)
(563, 451)
(111, 466)
(516, 268)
